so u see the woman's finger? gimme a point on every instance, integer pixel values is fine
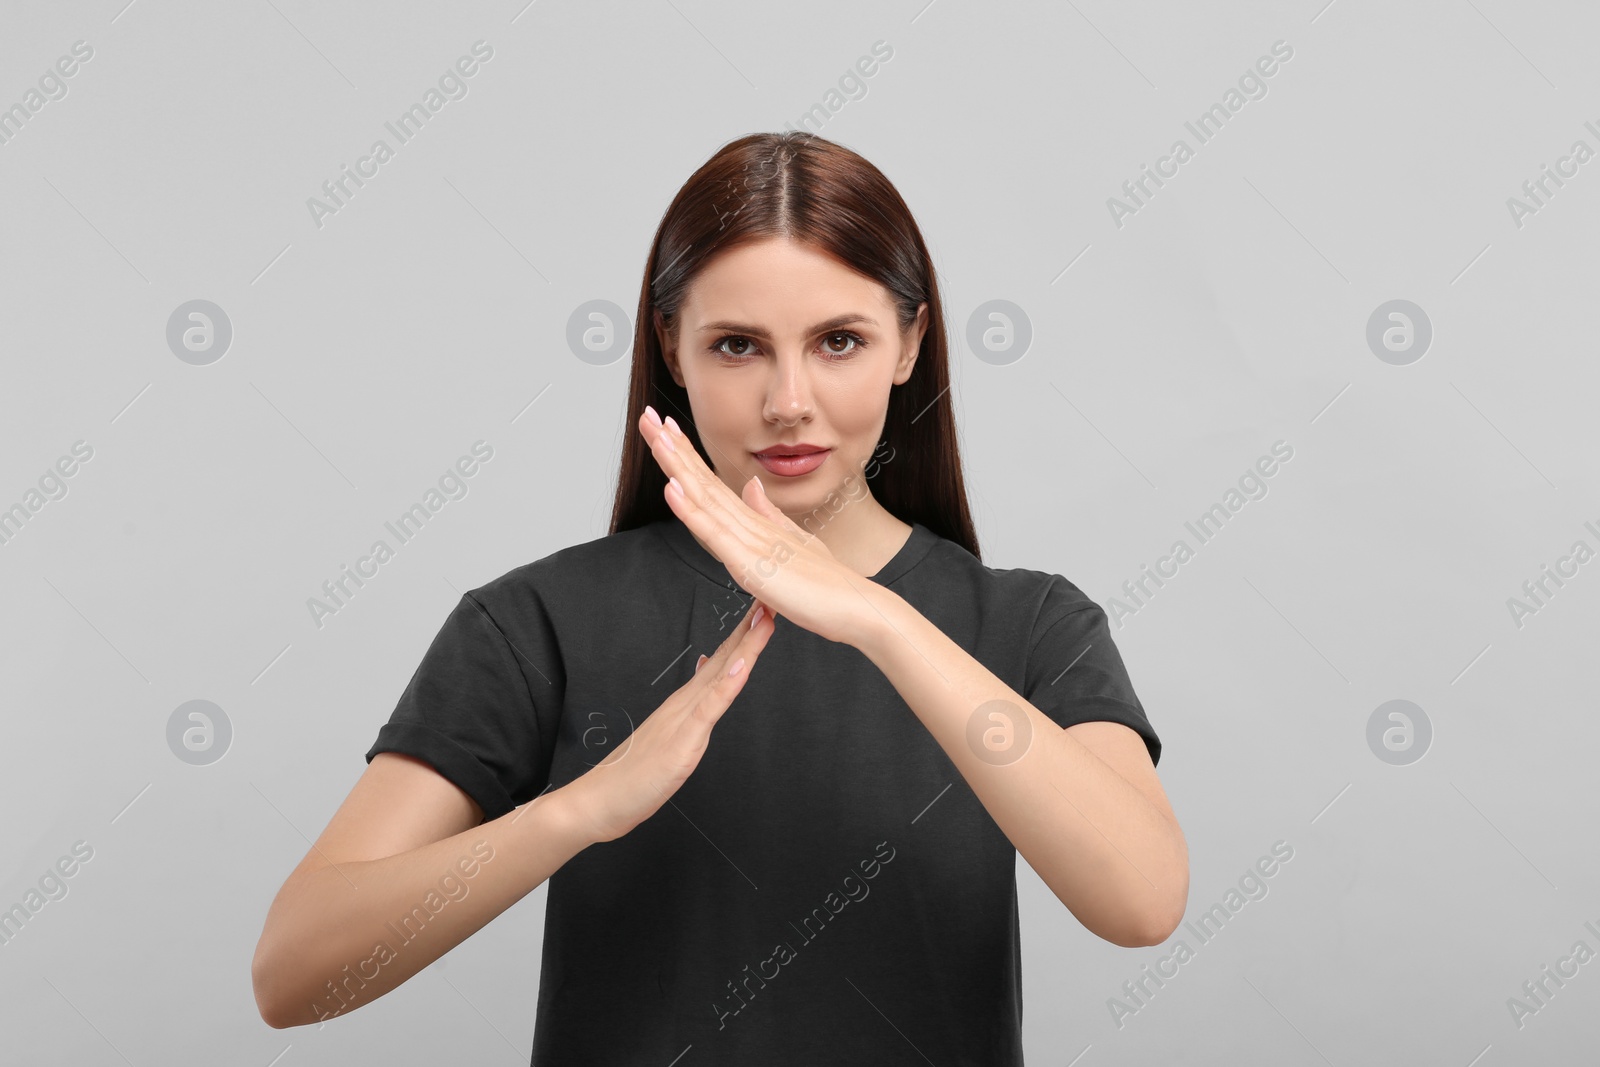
(723, 656)
(710, 670)
(716, 698)
(700, 485)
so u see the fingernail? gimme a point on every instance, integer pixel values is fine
(733, 671)
(674, 483)
(701, 662)
(666, 439)
(650, 413)
(755, 616)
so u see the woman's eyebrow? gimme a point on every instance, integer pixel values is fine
(847, 319)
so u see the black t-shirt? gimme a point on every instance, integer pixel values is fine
(825, 886)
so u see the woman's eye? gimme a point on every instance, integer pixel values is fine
(850, 338)
(851, 341)
(736, 340)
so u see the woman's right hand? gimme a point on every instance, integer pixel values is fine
(631, 784)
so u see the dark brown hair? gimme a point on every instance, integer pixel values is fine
(799, 186)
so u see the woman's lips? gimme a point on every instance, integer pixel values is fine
(793, 466)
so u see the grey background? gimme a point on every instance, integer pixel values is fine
(1167, 355)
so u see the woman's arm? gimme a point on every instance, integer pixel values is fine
(1083, 805)
(403, 873)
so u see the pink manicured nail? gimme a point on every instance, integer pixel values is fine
(755, 616)
(674, 483)
(665, 437)
(672, 424)
(650, 413)
(733, 671)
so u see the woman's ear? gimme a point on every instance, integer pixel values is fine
(669, 351)
(911, 345)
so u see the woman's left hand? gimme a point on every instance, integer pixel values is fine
(770, 557)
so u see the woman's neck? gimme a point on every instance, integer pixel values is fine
(863, 535)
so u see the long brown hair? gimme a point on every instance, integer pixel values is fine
(799, 186)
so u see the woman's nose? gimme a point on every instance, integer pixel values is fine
(789, 392)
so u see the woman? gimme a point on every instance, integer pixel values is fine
(833, 872)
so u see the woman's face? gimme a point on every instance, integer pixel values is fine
(781, 345)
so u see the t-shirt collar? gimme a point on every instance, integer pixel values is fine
(677, 535)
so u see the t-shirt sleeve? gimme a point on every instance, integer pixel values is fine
(1075, 673)
(470, 708)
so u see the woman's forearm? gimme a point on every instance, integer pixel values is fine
(341, 936)
(1107, 851)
